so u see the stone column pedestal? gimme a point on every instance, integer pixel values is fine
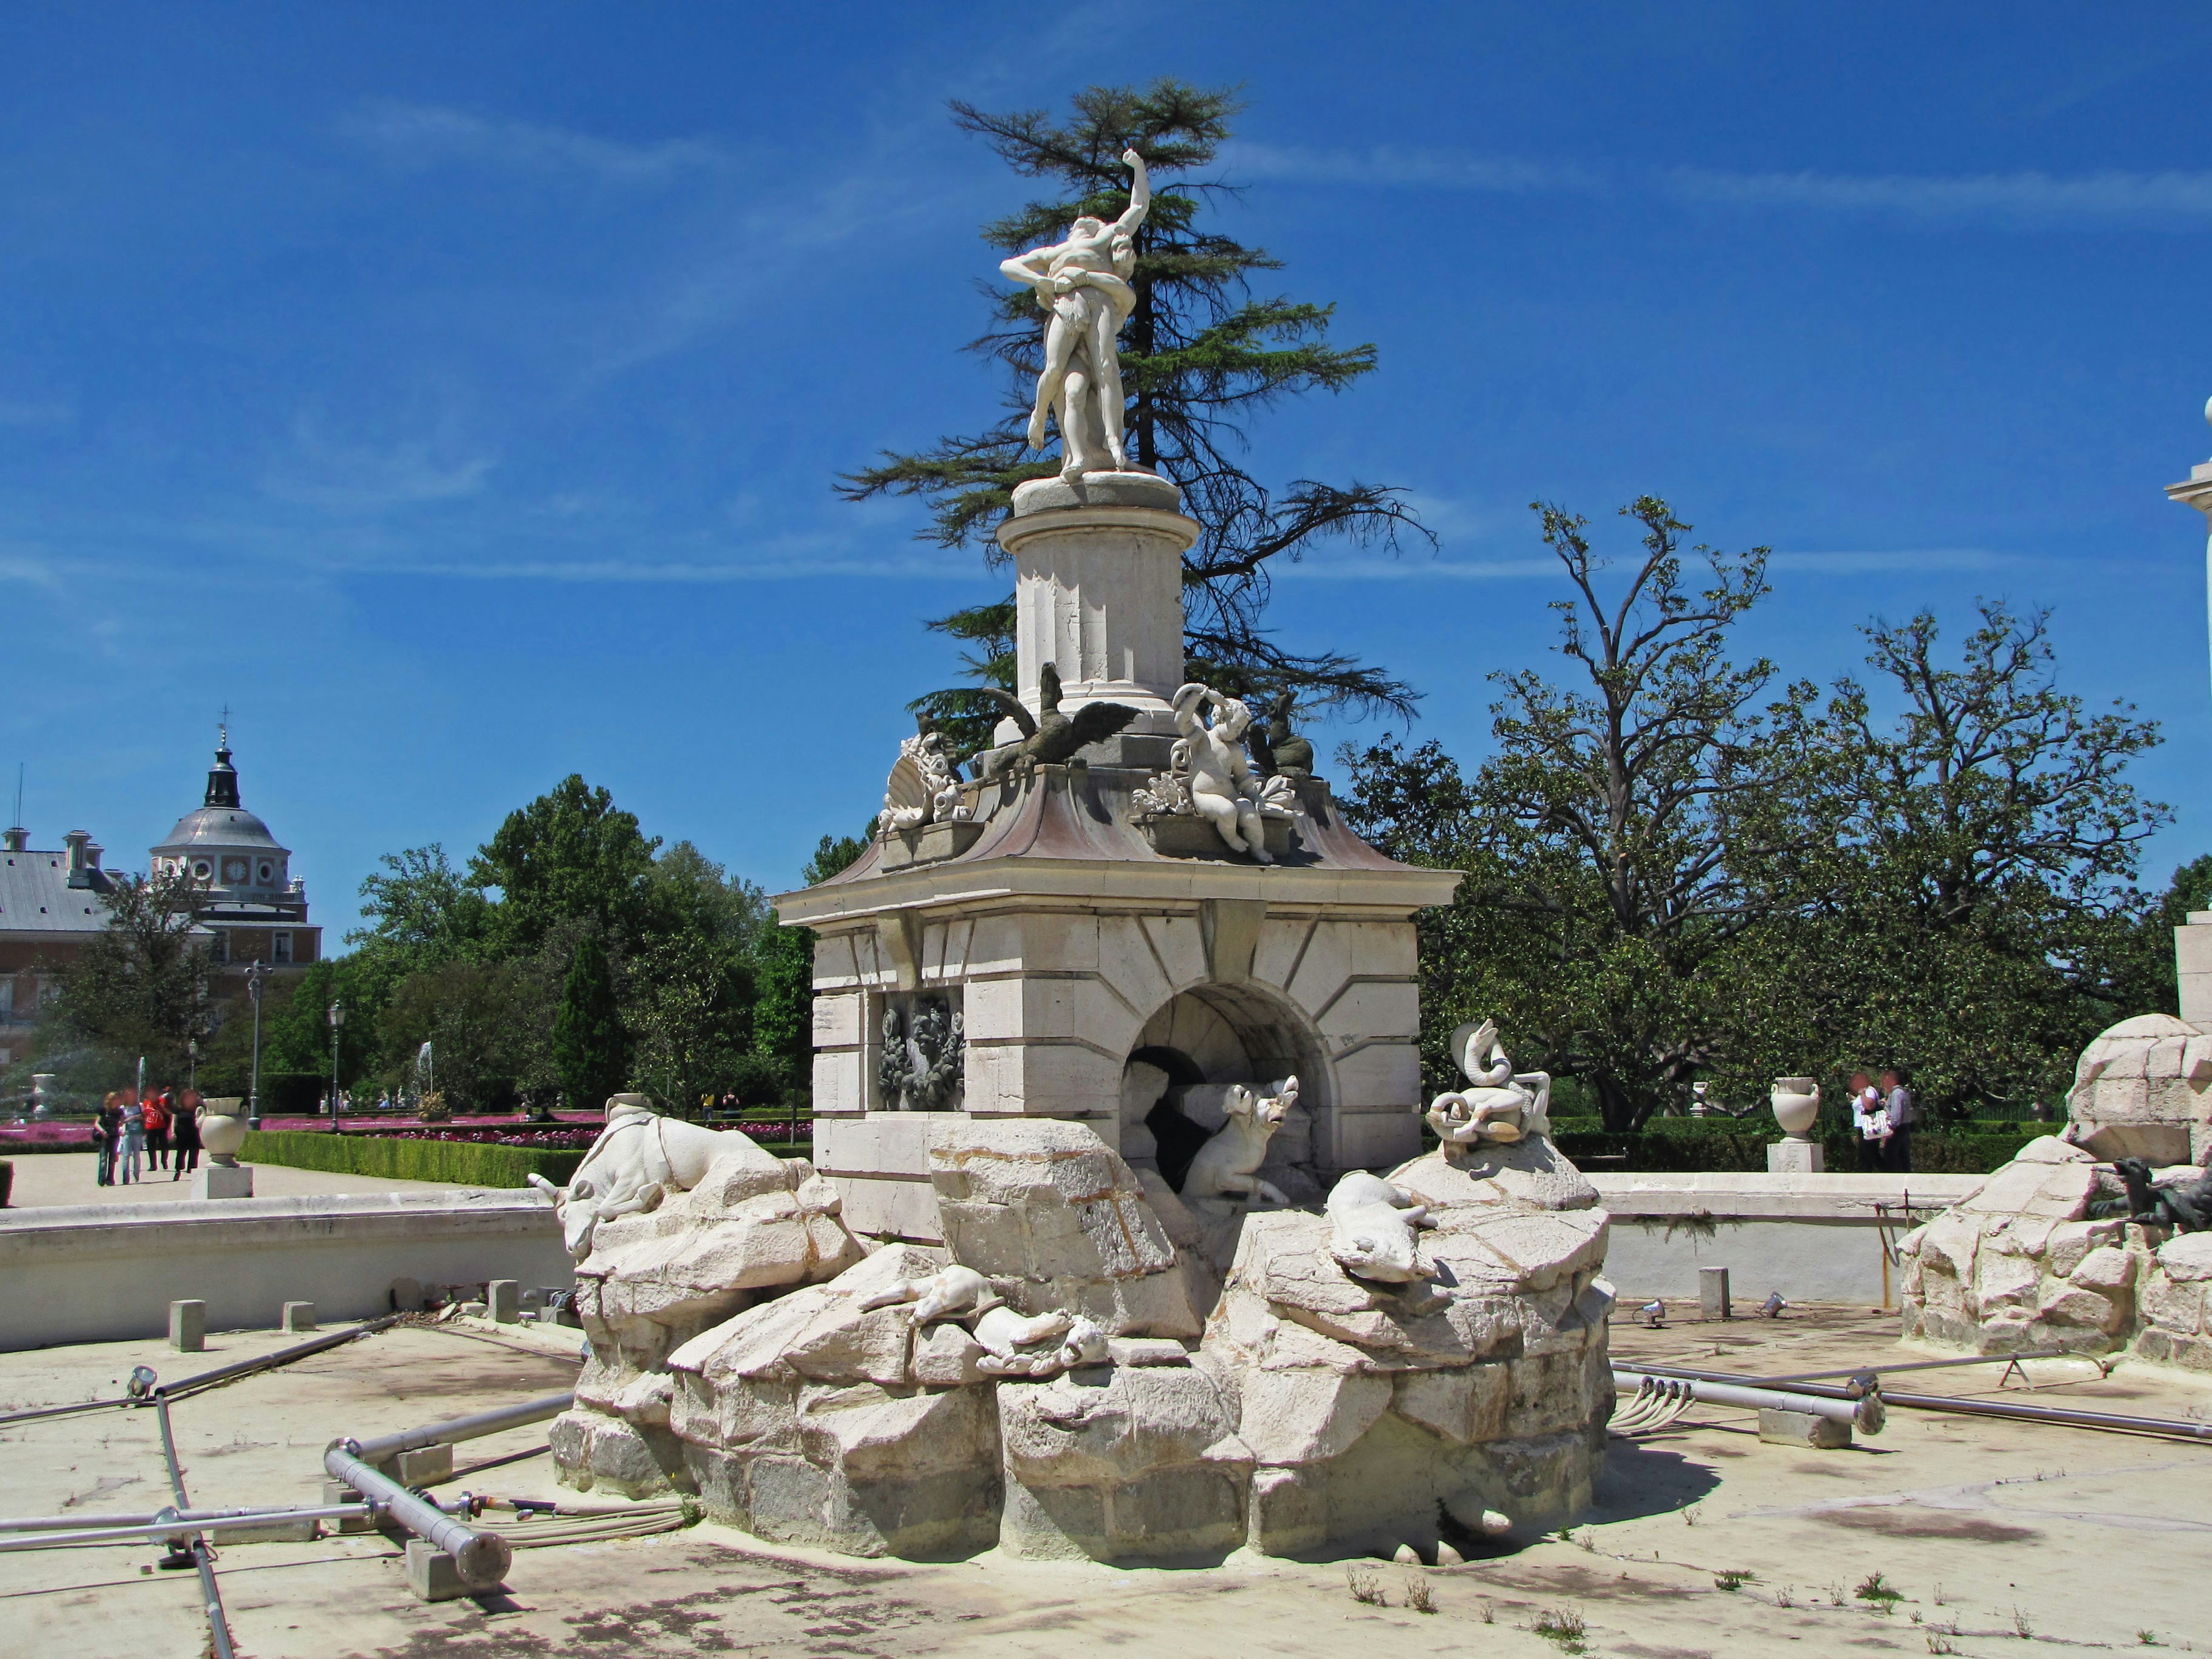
(1796, 1158)
(1098, 592)
(2192, 962)
(222, 1181)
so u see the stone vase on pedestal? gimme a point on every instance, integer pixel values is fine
(222, 1132)
(1797, 1102)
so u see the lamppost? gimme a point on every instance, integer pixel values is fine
(193, 1065)
(337, 1024)
(254, 976)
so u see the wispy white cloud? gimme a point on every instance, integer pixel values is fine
(2024, 198)
(1387, 164)
(424, 134)
(49, 417)
(1897, 558)
(31, 571)
(682, 573)
(345, 477)
(2021, 197)
(1417, 568)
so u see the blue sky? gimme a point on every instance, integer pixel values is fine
(456, 392)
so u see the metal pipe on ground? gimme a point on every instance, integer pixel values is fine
(472, 1427)
(209, 1379)
(481, 1558)
(210, 1597)
(248, 1516)
(1865, 1412)
(171, 1524)
(2165, 1427)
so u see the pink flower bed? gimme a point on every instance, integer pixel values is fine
(45, 1137)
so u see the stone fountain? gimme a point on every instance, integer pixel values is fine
(1097, 1027)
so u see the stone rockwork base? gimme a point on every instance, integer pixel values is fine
(1311, 1410)
(2021, 1264)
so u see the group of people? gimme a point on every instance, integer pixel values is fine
(1882, 1115)
(136, 1136)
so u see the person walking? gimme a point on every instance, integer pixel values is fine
(129, 1166)
(157, 1131)
(1898, 1111)
(1864, 1104)
(106, 1132)
(185, 1133)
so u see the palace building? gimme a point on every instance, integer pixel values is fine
(252, 908)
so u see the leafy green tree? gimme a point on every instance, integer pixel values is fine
(1619, 842)
(1982, 923)
(690, 994)
(569, 856)
(487, 1024)
(1200, 354)
(419, 912)
(295, 1025)
(142, 986)
(589, 1044)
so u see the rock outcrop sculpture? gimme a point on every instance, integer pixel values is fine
(1042, 1383)
(1499, 1103)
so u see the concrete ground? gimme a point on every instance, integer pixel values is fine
(50, 1178)
(1998, 1537)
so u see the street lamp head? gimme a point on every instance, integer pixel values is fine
(337, 1015)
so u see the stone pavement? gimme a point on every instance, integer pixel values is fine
(2071, 1536)
(50, 1178)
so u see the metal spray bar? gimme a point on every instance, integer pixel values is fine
(1653, 1391)
(474, 1427)
(481, 1558)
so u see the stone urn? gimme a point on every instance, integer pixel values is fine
(222, 1130)
(1797, 1102)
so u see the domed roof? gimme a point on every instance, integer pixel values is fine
(221, 822)
(219, 827)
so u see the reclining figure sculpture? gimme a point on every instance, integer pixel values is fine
(640, 1158)
(2186, 1209)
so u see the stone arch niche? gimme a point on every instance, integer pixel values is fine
(1200, 1042)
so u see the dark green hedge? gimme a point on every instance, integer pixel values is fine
(1690, 1144)
(468, 1164)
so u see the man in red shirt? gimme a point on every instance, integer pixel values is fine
(157, 1130)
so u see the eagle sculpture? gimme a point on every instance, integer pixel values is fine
(1049, 737)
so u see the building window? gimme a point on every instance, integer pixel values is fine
(219, 947)
(7, 998)
(280, 947)
(268, 872)
(203, 870)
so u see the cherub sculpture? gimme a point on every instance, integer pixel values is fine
(1049, 737)
(1213, 772)
(920, 1061)
(1498, 1104)
(1083, 286)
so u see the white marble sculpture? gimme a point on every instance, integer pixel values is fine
(1371, 1224)
(1211, 774)
(1499, 1103)
(638, 1159)
(1017, 1345)
(1082, 285)
(1227, 1167)
(953, 1294)
(924, 785)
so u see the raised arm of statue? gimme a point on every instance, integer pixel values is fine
(1140, 194)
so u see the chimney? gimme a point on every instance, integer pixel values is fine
(17, 840)
(76, 840)
(93, 853)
